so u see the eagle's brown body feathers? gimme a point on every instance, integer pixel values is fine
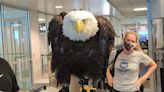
(80, 58)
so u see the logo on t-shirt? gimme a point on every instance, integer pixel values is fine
(123, 66)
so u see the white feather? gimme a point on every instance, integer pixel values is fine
(90, 29)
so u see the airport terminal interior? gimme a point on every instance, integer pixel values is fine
(24, 42)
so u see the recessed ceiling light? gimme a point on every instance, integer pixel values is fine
(140, 9)
(41, 19)
(59, 6)
(143, 22)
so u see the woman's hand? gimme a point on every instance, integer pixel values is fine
(140, 81)
(151, 68)
(109, 77)
(110, 82)
(19, 90)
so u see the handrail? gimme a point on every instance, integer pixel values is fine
(160, 51)
(46, 55)
(21, 61)
(22, 69)
(16, 53)
(159, 54)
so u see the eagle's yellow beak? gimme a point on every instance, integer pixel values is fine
(79, 25)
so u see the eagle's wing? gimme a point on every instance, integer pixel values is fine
(106, 35)
(54, 35)
(106, 38)
(55, 27)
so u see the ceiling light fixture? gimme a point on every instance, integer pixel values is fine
(58, 6)
(140, 9)
(41, 19)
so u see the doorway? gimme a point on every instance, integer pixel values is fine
(15, 43)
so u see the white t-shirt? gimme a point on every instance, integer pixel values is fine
(127, 69)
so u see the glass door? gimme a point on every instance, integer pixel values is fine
(43, 47)
(43, 21)
(1, 48)
(16, 44)
(51, 75)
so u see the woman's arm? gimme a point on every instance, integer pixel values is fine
(151, 68)
(109, 76)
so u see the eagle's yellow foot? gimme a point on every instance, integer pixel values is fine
(87, 88)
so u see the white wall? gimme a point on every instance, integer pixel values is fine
(35, 46)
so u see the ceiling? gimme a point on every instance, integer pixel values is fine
(100, 7)
(48, 6)
(126, 7)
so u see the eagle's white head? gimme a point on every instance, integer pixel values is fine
(80, 25)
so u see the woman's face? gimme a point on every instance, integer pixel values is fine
(130, 42)
(131, 38)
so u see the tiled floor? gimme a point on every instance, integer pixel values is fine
(52, 89)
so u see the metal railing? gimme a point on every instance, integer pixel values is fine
(22, 69)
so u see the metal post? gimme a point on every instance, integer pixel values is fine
(150, 43)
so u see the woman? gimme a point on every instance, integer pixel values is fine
(127, 65)
(8, 81)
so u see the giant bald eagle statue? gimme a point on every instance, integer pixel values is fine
(81, 44)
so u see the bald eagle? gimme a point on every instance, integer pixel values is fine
(81, 43)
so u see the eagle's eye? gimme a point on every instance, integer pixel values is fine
(84, 21)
